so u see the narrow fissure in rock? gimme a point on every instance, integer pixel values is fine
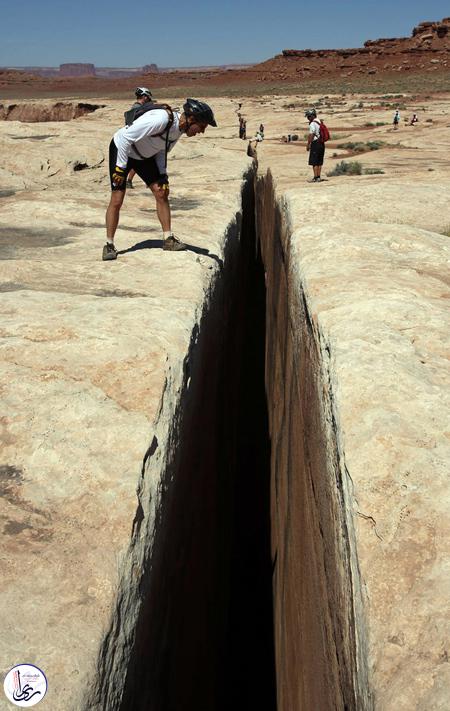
(249, 592)
(204, 638)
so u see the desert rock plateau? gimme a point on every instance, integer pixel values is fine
(135, 467)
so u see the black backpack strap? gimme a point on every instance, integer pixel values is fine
(168, 127)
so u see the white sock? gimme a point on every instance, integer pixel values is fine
(109, 240)
(168, 234)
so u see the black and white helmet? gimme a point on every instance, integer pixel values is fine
(200, 110)
(142, 91)
(310, 113)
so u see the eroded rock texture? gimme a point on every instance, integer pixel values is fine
(28, 112)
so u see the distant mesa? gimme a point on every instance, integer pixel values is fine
(77, 70)
(89, 70)
(84, 69)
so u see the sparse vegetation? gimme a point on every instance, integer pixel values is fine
(375, 145)
(343, 168)
(371, 124)
(446, 231)
(353, 168)
(360, 147)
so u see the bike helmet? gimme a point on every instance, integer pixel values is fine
(142, 91)
(310, 113)
(200, 110)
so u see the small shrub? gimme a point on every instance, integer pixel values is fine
(446, 231)
(375, 145)
(343, 168)
(360, 147)
(357, 147)
(373, 171)
(371, 124)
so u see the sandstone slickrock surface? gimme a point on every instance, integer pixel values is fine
(92, 358)
(358, 377)
(98, 357)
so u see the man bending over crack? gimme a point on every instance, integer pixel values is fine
(143, 146)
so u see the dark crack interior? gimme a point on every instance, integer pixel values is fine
(204, 640)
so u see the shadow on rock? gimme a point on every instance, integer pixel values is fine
(158, 244)
(15, 240)
(146, 244)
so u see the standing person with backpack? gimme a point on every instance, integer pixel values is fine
(143, 96)
(318, 135)
(143, 147)
(396, 120)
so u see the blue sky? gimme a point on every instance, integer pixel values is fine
(131, 33)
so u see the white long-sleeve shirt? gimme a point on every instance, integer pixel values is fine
(143, 134)
(314, 128)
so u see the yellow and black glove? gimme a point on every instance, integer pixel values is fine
(118, 177)
(163, 181)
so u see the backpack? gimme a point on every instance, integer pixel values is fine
(324, 132)
(136, 111)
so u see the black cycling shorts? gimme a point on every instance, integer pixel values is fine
(316, 153)
(146, 168)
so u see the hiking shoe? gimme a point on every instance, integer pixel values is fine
(109, 252)
(172, 244)
(130, 185)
